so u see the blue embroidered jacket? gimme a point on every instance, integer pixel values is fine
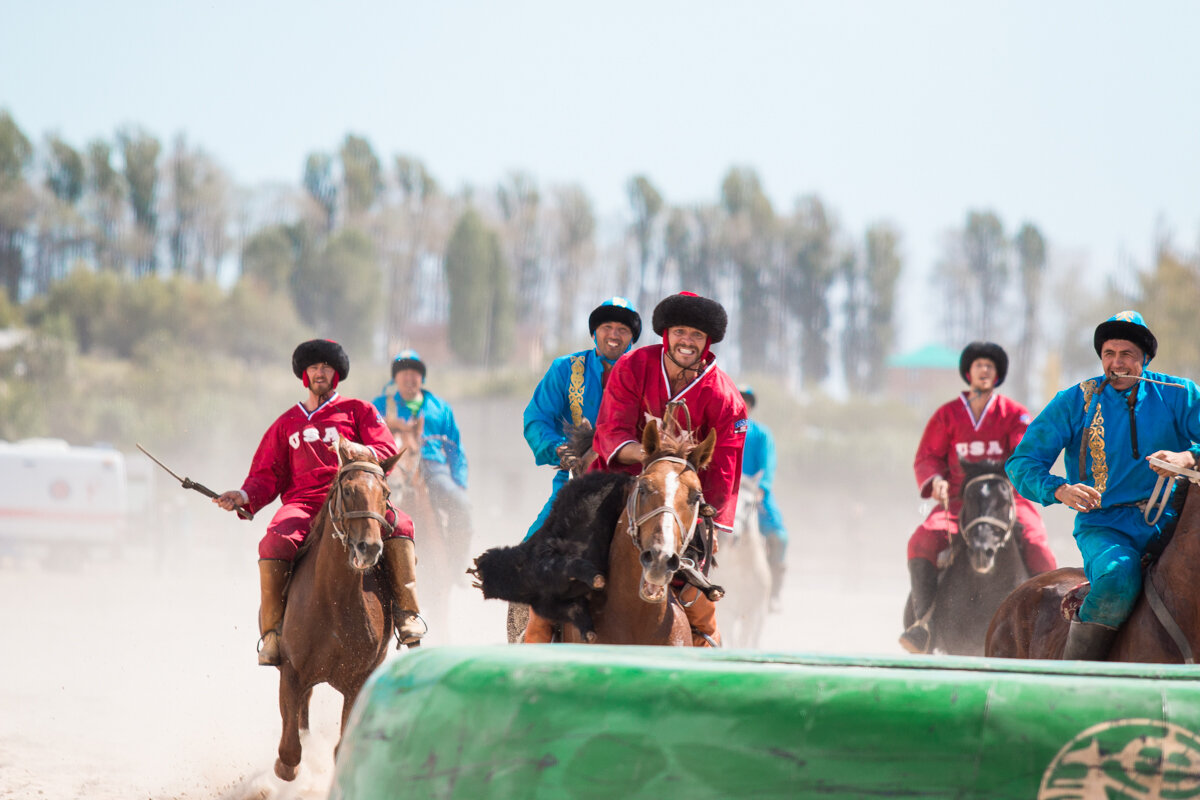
(442, 442)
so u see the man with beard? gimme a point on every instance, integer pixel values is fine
(1107, 429)
(681, 370)
(569, 394)
(295, 463)
(979, 425)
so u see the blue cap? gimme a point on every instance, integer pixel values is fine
(408, 359)
(616, 309)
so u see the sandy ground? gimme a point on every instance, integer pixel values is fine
(134, 675)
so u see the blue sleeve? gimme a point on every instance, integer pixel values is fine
(543, 420)
(768, 472)
(1048, 435)
(455, 456)
(380, 404)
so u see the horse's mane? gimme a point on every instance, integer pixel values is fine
(672, 439)
(357, 452)
(974, 469)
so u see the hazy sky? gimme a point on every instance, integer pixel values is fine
(1082, 117)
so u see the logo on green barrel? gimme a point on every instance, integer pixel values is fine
(1129, 759)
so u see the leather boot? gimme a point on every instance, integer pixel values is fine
(538, 630)
(923, 576)
(702, 616)
(272, 578)
(400, 555)
(1088, 641)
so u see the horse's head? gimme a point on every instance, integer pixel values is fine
(664, 504)
(988, 514)
(410, 437)
(358, 502)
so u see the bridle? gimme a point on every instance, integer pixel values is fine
(1005, 525)
(337, 510)
(635, 520)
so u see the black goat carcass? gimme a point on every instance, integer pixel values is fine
(555, 569)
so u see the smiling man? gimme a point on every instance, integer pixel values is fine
(682, 369)
(1107, 429)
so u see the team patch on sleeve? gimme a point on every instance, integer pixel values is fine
(1026, 419)
(740, 426)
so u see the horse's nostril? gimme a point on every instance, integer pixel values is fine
(647, 558)
(673, 563)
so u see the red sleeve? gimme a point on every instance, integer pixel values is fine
(933, 452)
(270, 473)
(620, 408)
(723, 476)
(1020, 419)
(373, 431)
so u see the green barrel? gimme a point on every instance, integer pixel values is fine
(617, 722)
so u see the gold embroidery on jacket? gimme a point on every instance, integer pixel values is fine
(575, 389)
(1095, 438)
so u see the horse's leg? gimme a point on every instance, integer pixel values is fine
(349, 695)
(303, 709)
(290, 694)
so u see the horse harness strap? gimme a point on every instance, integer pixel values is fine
(339, 515)
(1005, 525)
(1167, 621)
(635, 520)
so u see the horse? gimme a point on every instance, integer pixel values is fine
(440, 552)
(981, 567)
(662, 510)
(1032, 621)
(742, 569)
(338, 619)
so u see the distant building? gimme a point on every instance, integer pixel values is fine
(924, 378)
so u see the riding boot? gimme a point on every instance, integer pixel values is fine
(1088, 641)
(923, 575)
(539, 630)
(400, 555)
(702, 616)
(272, 577)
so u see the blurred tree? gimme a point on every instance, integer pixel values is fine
(868, 335)
(647, 204)
(482, 314)
(750, 238)
(105, 199)
(65, 172)
(520, 204)
(140, 151)
(1031, 254)
(973, 276)
(16, 204)
(1170, 296)
(198, 202)
(813, 265)
(269, 259)
(321, 185)
(413, 233)
(576, 254)
(337, 290)
(362, 174)
(61, 238)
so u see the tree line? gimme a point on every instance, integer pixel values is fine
(106, 238)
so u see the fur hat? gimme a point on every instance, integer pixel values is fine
(615, 309)
(408, 359)
(1130, 326)
(989, 350)
(320, 351)
(693, 311)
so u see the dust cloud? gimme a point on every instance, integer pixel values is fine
(133, 673)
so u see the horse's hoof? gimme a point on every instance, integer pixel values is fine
(412, 645)
(591, 637)
(598, 582)
(284, 771)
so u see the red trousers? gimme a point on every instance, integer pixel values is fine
(289, 527)
(933, 536)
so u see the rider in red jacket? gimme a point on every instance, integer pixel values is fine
(682, 369)
(294, 462)
(979, 425)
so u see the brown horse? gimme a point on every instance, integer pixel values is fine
(338, 619)
(637, 605)
(1030, 622)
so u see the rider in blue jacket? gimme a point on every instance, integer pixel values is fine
(758, 461)
(570, 391)
(445, 463)
(1107, 428)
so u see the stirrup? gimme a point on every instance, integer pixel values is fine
(711, 641)
(415, 642)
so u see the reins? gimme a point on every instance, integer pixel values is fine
(1005, 525)
(634, 521)
(337, 513)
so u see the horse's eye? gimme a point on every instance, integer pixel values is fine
(694, 497)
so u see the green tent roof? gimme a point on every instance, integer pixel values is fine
(931, 356)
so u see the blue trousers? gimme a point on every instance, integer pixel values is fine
(560, 480)
(1112, 542)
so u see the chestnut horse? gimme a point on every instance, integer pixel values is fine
(983, 563)
(1030, 623)
(338, 621)
(441, 554)
(637, 605)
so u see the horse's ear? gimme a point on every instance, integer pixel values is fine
(391, 462)
(338, 445)
(702, 454)
(650, 438)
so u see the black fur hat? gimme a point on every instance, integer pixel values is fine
(408, 359)
(1130, 326)
(989, 350)
(693, 311)
(615, 309)
(320, 351)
